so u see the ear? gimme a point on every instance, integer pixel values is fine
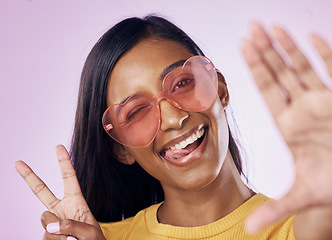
(222, 90)
(122, 154)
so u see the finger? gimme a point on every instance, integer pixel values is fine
(37, 186)
(75, 229)
(264, 78)
(284, 75)
(324, 51)
(48, 217)
(264, 216)
(50, 236)
(69, 178)
(299, 62)
(275, 210)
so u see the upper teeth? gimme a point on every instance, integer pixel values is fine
(192, 138)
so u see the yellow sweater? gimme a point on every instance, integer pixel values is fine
(145, 226)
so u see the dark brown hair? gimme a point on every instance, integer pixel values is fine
(113, 190)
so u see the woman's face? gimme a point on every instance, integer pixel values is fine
(199, 163)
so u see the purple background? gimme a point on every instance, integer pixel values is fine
(43, 46)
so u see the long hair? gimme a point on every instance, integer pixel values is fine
(114, 190)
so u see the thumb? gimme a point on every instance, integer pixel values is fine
(48, 217)
(275, 210)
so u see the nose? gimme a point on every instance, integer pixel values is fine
(171, 117)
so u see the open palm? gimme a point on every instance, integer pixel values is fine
(302, 109)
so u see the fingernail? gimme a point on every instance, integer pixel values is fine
(53, 227)
(71, 238)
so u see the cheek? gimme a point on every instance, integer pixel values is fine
(219, 126)
(146, 158)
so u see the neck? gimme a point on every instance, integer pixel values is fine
(191, 208)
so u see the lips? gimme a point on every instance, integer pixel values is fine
(180, 150)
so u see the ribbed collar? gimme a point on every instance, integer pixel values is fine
(205, 231)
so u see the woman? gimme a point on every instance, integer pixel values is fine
(162, 105)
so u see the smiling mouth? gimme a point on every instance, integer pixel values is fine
(185, 147)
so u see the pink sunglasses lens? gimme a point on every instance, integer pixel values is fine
(194, 86)
(133, 123)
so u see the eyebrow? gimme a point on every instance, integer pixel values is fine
(171, 67)
(163, 74)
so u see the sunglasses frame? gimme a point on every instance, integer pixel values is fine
(161, 96)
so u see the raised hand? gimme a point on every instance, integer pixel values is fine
(302, 109)
(72, 209)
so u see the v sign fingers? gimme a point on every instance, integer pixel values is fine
(72, 205)
(70, 182)
(73, 201)
(37, 186)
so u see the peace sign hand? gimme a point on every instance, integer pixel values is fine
(302, 109)
(73, 205)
